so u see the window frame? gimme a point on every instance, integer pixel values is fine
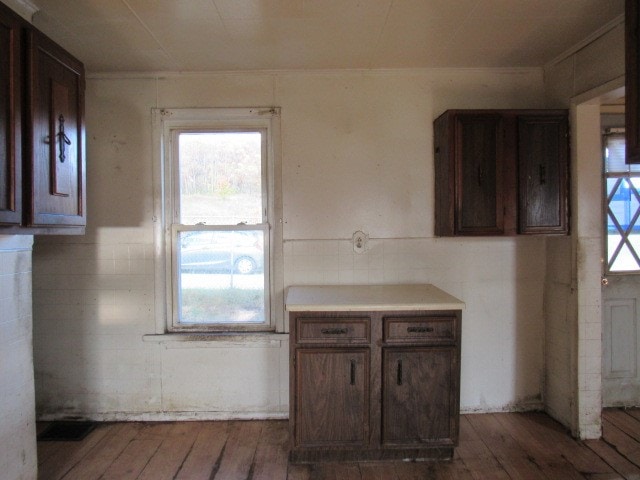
(167, 124)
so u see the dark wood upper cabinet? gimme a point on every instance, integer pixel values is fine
(632, 81)
(10, 120)
(501, 172)
(478, 173)
(55, 139)
(42, 138)
(542, 181)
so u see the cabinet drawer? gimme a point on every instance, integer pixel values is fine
(333, 330)
(420, 330)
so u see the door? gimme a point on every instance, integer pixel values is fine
(332, 390)
(621, 280)
(419, 396)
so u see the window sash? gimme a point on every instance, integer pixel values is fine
(626, 248)
(175, 161)
(177, 324)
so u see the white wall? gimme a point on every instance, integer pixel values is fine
(357, 155)
(17, 415)
(573, 301)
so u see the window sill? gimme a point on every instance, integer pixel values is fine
(218, 339)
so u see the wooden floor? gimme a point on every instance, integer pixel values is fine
(492, 446)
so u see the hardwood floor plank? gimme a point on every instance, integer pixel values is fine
(239, 450)
(96, 462)
(619, 463)
(204, 455)
(168, 459)
(272, 454)
(378, 471)
(634, 412)
(138, 453)
(509, 453)
(625, 422)
(475, 455)
(299, 472)
(621, 442)
(331, 471)
(67, 454)
(539, 450)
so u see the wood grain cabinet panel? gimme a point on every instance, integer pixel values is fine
(501, 172)
(333, 397)
(10, 120)
(543, 163)
(56, 135)
(419, 402)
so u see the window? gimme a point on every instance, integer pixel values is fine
(622, 206)
(217, 205)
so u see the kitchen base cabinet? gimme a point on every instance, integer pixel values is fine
(373, 385)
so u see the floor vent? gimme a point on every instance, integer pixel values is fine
(66, 431)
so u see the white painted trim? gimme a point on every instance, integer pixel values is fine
(606, 28)
(160, 75)
(24, 8)
(165, 416)
(221, 340)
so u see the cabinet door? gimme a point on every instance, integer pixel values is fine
(542, 162)
(10, 106)
(332, 397)
(56, 143)
(419, 399)
(479, 185)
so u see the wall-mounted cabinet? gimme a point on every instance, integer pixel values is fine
(501, 172)
(42, 139)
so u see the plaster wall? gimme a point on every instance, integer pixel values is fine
(573, 319)
(18, 456)
(356, 155)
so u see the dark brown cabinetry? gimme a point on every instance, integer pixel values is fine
(43, 166)
(501, 172)
(632, 80)
(381, 385)
(10, 120)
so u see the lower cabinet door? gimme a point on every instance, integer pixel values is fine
(332, 390)
(419, 406)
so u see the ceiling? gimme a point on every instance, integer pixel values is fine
(240, 35)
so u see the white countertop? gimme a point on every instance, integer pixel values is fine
(330, 298)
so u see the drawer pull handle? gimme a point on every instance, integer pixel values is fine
(334, 331)
(419, 329)
(399, 373)
(353, 372)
